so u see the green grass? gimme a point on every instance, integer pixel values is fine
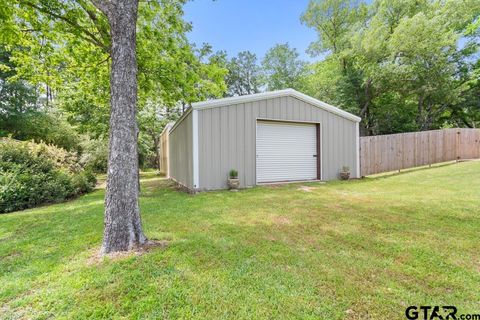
(362, 249)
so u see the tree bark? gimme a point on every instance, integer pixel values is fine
(156, 142)
(365, 110)
(419, 118)
(123, 226)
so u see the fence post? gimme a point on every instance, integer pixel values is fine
(457, 146)
(429, 149)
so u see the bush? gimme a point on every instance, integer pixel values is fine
(35, 125)
(94, 154)
(83, 182)
(32, 174)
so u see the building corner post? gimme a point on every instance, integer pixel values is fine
(357, 148)
(196, 173)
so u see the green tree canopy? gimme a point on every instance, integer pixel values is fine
(244, 74)
(401, 65)
(282, 68)
(65, 46)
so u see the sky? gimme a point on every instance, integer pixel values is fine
(255, 25)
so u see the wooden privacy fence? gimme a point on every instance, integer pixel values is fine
(407, 150)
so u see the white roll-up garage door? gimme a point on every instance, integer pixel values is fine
(286, 151)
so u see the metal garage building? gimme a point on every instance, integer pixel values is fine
(268, 137)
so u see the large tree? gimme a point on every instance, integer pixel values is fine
(73, 46)
(123, 226)
(397, 64)
(243, 74)
(283, 68)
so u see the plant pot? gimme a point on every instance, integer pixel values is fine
(233, 184)
(344, 175)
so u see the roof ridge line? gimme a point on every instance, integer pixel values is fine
(274, 94)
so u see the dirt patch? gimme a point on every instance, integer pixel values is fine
(97, 258)
(271, 238)
(12, 255)
(282, 220)
(307, 188)
(6, 238)
(334, 206)
(273, 186)
(155, 181)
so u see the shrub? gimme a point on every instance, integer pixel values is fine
(48, 127)
(32, 174)
(94, 154)
(233, 174)
(83, 182)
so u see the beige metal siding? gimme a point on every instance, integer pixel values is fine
(163, 150)
(181, 152)
(227, 139)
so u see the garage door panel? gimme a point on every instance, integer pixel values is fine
(286, 151)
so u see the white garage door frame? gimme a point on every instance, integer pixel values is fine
(319, 138)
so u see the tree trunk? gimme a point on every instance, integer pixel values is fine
(123, 227)
(156, 142)
(419, 118)
(365, 111)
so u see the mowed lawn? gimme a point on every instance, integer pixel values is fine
(362, 249)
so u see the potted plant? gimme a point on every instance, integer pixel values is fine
(345, 173)
(233, 181)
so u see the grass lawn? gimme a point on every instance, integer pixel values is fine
(362, 249)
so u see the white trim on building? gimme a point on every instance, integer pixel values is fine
(275, 94)
(196, 172)
(357, 148)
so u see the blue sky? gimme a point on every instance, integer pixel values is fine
(255, 25)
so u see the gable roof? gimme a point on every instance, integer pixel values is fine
(274, 94)
(266, 95)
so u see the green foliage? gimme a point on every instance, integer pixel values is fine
(233, 174)
(332, 20)
(64, 46)
(94, 154)
(39, 126)
(467, 112)
(83, 182)
(283, 69)
(23, 115)
(16, 97)
(32, 174)
(244, 74)
(397, 64)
